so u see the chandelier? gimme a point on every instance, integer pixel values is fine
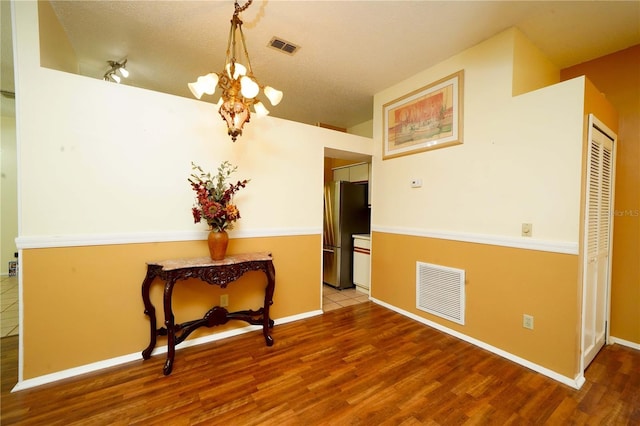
(237, 82)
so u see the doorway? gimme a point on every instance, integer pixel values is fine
(9, 217)
(337, 165)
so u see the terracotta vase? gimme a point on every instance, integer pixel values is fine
(218, 241)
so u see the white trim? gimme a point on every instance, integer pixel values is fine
(88, 368)
(603, 127)
(299, 317)
(623, 342)
(50, 241)
(71, 372)
(575, 383)
(564, 247)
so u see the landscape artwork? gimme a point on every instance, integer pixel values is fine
(425, 119)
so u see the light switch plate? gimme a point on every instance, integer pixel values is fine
(527, 321)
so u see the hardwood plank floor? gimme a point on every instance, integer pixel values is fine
(357, 365)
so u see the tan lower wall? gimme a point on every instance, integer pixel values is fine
(83, 304)
(502, 284)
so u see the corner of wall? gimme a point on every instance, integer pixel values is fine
(531, 69)
(56, 51)
(363, 129)
(596, 103)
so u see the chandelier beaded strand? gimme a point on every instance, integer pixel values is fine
(238, 84)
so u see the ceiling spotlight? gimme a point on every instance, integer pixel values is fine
(119, 67)
(239, 86)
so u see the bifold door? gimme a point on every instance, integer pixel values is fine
(598, 231)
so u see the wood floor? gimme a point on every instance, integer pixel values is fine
(358, 365)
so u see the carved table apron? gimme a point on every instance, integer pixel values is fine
(215, 272)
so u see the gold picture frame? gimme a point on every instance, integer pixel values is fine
(425, 119)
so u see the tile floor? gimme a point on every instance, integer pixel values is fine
(334, 299)
(8, 306)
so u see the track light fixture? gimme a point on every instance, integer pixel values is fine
(237, 82)
(111, 75)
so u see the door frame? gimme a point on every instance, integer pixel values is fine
(595, 123)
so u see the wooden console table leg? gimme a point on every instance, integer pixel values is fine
(150, 311)
(268, 301)
(169, 322)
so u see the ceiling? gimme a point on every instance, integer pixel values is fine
(349, 50)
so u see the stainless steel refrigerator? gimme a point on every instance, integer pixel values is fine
(345, 213)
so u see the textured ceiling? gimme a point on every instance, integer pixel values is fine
(350, 50)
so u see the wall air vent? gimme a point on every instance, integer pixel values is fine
(283, 46)
(440, 291)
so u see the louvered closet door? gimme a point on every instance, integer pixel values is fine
(598, 231)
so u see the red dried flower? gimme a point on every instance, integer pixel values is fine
(214, 196)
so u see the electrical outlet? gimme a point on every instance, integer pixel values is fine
(416, 183)
(527, 321)
(527, 229)
(224, 300)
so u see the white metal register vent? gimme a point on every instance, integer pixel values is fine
(440, 291)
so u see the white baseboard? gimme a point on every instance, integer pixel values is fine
(623, 342)
(88, 368)
(575, 383)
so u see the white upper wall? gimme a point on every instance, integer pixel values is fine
(520, 161)
(100, 158)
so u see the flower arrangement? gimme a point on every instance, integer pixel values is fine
(214, 196)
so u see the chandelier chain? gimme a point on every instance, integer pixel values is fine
(239, 9)
(246, 54)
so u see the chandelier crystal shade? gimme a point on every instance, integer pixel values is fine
(238, 85)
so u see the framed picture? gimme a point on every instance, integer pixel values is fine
(427, 118)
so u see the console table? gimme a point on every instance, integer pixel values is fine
(214, 272)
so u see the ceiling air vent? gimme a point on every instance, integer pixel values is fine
(283, 46)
